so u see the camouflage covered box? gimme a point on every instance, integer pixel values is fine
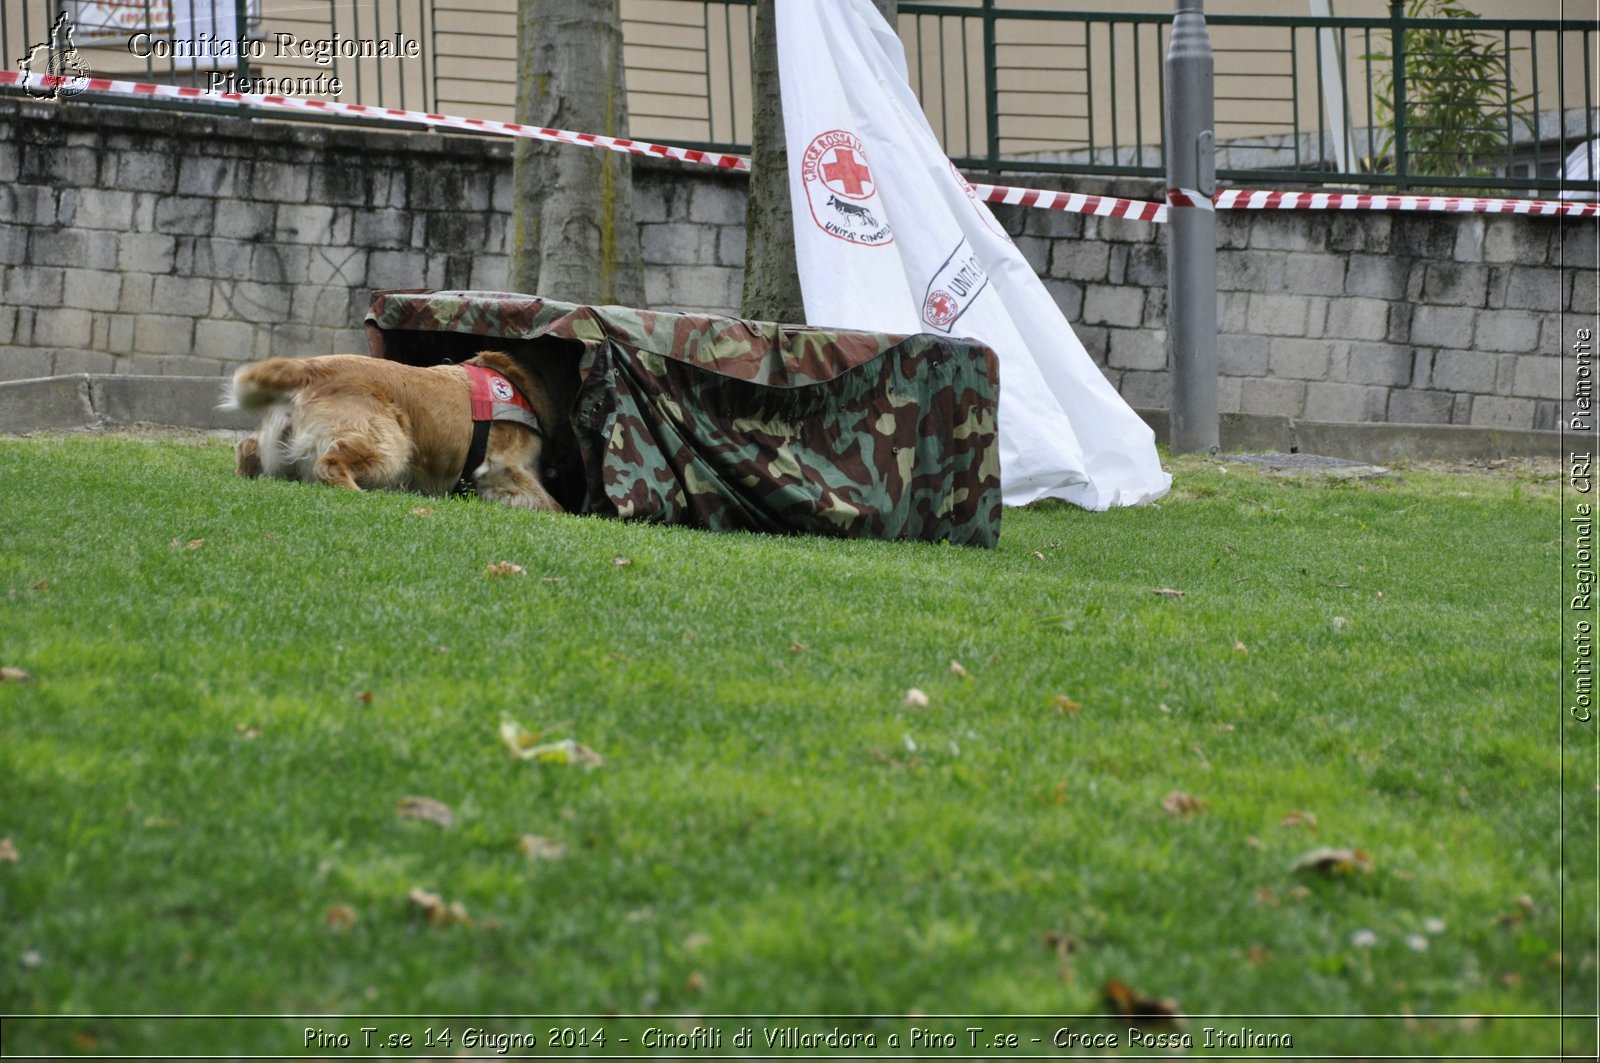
(728, 424)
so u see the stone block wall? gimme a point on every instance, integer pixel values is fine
(143, 241)
(1352, 317)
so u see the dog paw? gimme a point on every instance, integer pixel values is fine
(248, 455)
(512, 487)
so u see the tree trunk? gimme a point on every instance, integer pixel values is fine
(771, 282)
(574, 236)
(771, 285)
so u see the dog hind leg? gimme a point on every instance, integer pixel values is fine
(350, 463)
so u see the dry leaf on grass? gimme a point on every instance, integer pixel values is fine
(1335, 861)
(8, 852)
(1063, 945)
(525, 745)
(42, 587)
(1524, 907)
(247, 731)
(621, 562)
(341, 917)
(915, 699)
(437, 911)
(956, 669)
(1241, 647)
(535, 847)
(1178, 803)
(1299, 818)
(1168, 592)
(797, 647)
(365, 697)
(425, 900)
(422, 511)
(503, 568)
(1066, 706)
(1124, 1001)
(566, 751)
(426, 808)
(14, 675)
(518, 739)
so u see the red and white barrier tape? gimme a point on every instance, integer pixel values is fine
(1071, 202)
(1248, 199)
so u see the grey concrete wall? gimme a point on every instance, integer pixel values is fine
(138, 241)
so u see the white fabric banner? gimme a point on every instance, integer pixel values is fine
(889, 237)
(1580, 171)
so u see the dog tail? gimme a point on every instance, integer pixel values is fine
(260, 384)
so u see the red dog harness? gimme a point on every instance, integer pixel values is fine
(494, 398)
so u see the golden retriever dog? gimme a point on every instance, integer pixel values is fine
(363, 423)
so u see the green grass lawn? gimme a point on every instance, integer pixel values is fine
(234, 682)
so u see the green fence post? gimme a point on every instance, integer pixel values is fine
(991, 86)
(241, 26)
(1397, 31)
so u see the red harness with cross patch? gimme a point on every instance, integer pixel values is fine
(494, 398)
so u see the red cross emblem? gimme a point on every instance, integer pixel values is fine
(941, 308)
(845, 174)
(841, 191)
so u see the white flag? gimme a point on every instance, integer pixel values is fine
(889, 237)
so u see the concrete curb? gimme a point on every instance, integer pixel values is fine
(95, 401)
(1376, 444)
(86, 401)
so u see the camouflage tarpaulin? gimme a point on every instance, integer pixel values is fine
(724, 424)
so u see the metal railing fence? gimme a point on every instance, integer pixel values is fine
(1299, 99)
(1366, 101)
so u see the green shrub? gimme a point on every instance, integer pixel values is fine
(1459, 109)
